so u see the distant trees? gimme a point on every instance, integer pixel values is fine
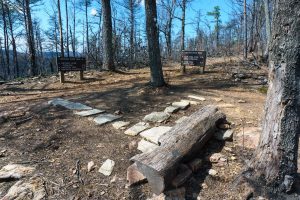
(157, 78)
(216, 14)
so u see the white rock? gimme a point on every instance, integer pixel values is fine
(87, 113)
(191, 102)
(222, 136)
(157, 117)
(181, 119)
(241, 101)
(155, 133)
(106, 118)
(218, 99)
(91, 166)
(226, 105)
(171, 109)
(120, 124)
(212, 172)
(197, 97)
(137, 128)
(107, 167)
(181, 104)
(145, 146)
(69, 105)
(15, 171)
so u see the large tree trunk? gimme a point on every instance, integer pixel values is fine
(60, 30)
(181, 143)
(67, 27)
(5, 35)
(131, 10)
(276, 156)
(157, 77)
(108, 54)
(245, 31)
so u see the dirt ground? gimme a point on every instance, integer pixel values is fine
(53, 139)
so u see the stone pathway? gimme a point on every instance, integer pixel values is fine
(69, 104)
(137, 128)
(87, 113)
(153, 134)
(106, 118)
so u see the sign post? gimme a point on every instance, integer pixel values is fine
(194, 58)
(65, 64)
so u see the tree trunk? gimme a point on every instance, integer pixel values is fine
(276, 156)
(87, 28)
(13, 41)
(30, 38)
(179, 144)
(108, 54)
(157, 77)
(67, 28)
(5, 35)
(245, 31)
(268, 25)
(61, 38)
(182, 43)
(131, 9)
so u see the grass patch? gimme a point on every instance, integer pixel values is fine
(263, 89)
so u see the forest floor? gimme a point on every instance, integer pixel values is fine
(53, 139)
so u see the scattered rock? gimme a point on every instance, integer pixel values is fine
(87, 113)
(157, 117)
(191, 102)
(251, 137)
(212, 172)
(15, 171)
(228, 149)
(105, 118)
(132, 145)
(118, 112)
(181, 104)
(218, 99)
(232, 158)
(155, 133)
(197, 97)
(224, 135)
(195, 164)
(134, 175)
(137, 128)
(180, 120)
(120, 124)
(204, 186)
(145, 146)
(171, 109)
(218, 158)
(69, 105)
(241, 101)
(107, 167)
(226, 105)
(91, 166)
(114, 179)
(34, 189)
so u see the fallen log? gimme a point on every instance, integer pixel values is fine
(179, 144)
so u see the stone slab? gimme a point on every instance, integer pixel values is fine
(120, 124)
(181, 119)
(15, 171)
(171, 109)
(191, 102)
(145, 146)
(157, 117)
(107, 167)
(106, 118)
(137, 128)
(197, 97)
(69, 104)
(181, 104)
(87, 113)
(155, 133)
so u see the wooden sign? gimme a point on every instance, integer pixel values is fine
(71, 64)
(193, 58)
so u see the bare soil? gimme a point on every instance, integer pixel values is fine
(53, 139)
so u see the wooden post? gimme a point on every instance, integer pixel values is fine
(62, 76)
(81, 75)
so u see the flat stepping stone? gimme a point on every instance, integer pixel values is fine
(190, 101)
(69, 104)
(181, 119)
(107, 167)
(181, 104)
(171, 109)
(120, 124)
(155, 133)
(106, 118)
(197, 97)
(137, 128)
(145, 146)
(157, 117)
(87, 113)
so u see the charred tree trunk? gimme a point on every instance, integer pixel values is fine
(157, 77)
(108, 54)
(182, 45)
(5, 35)
(276, 156)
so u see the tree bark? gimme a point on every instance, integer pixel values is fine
(245, 31)
(5, 35)
(60, 30)
(181, 143)
(157, 77)
(276, 156)
(268, 25)
(108, 54)
(182, 41)
(67, 27)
